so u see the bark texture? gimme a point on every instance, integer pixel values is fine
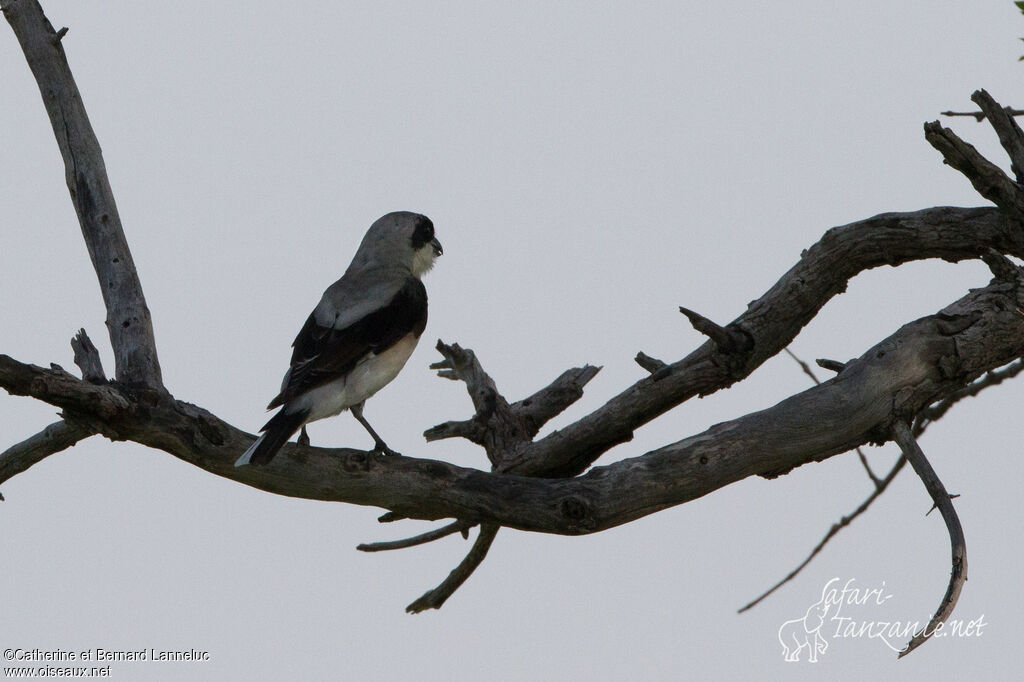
(549, 485)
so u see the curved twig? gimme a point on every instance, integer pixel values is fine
(436, 597)
(958, 546)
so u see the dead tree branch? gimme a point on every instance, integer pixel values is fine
(1010, 134)
(500, 428)
(436, 597)
(51, 440)
(88, 358)
(988, 178)
(979, 116)
(422, 539)
(923, 362)
(958, 546)
(128, 318)
(860, 452)
(539, 485)
(921, 424)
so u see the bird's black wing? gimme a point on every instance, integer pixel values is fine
(324, 354)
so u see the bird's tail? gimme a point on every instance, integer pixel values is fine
(276, 433)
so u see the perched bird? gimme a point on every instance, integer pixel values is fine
(359, 336)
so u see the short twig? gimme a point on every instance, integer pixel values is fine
(88, 358)
(727, 340)
(652, 365)
(422, 539)
(436, 597)
(952, 496)
(831, 365)
(958, 546)
(1001, 267)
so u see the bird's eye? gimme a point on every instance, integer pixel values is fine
(423, 233)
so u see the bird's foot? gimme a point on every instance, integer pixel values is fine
(303, 438)
(380, 447)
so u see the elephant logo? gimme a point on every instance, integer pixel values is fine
(798, 633)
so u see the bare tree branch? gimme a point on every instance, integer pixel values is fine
(536, 485)
(424, 538)
(550, 401)
(923, 362)
(773, 321)
(988, 178)
(652, 365)
(831, 365)
(958, 546)
(860, 453)
(51, 440)
(921, 424)
(128, 318)
(500, 428)
(436, 597)
(803, 366)
(1010, 134)
(728, 339)
(979, 116)
(995, 377)
(88, 358)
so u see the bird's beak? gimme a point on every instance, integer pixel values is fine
(437, 247)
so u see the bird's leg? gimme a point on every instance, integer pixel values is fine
(303, 439)
(378, 443)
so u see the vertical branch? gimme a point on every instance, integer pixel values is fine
(128, 318)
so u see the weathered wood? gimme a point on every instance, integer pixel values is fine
(1010, 134)
(958, 545)
(914, 374)
(128, 318)
(922, 363)
(986, 177)
(54, 438)
(88, 358)
(773, 321)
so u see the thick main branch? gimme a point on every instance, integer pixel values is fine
(921, 363)
(773, 321)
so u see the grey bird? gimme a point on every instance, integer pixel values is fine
(359, 336)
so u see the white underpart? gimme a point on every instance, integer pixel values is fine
(371, 374)
(423, 260)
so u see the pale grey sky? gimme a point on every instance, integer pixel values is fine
(589, 168)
